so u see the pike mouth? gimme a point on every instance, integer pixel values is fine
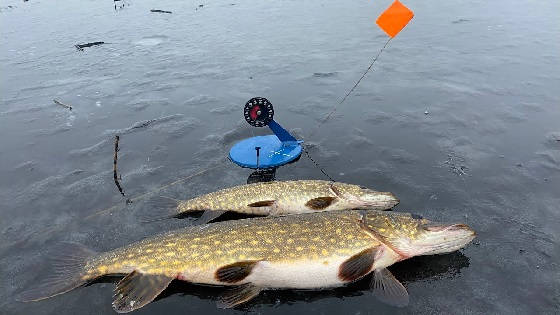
(370, 199)
(440, 239)
(379, 200)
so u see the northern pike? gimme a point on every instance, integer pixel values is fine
(276, 198)
(305, 251)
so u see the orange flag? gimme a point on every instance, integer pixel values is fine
(395, 18)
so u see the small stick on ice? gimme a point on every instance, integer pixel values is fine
(115, 176)
(82, 46)
(62, 104)
(160, 11)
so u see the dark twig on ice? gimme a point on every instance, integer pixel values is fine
(82, 46)
(62, 104)
(160, 11)
(121, 5)
(115, 176)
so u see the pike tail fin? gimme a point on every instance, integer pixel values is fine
(160, 208)
(68, 272)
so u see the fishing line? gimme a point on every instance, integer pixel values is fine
(316, 164)
(339, 103)
(149, 193)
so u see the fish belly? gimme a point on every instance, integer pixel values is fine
(304, 274)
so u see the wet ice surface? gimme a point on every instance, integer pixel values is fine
(486, 154)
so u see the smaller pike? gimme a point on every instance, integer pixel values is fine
(277, 198)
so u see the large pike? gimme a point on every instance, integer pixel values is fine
(307, 251)
(278, 198)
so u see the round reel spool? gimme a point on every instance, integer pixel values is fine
(258, 112)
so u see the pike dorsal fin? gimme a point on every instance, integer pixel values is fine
(138, 289)
(235, 272)
(320, 203)
(237, 295)
(388, 289)
(358, 265)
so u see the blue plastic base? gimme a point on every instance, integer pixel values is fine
(273, 152)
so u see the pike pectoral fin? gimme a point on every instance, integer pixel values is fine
(235, 272)
(263, 203)
(208, 216)
(320, 203)
(388, 289)
(138, 289)
(237, 295)
(358, 265)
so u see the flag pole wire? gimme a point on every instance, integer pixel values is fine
(339, 103)
(352, 89)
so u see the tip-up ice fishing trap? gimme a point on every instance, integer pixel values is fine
(264, 152)
(272, 151)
